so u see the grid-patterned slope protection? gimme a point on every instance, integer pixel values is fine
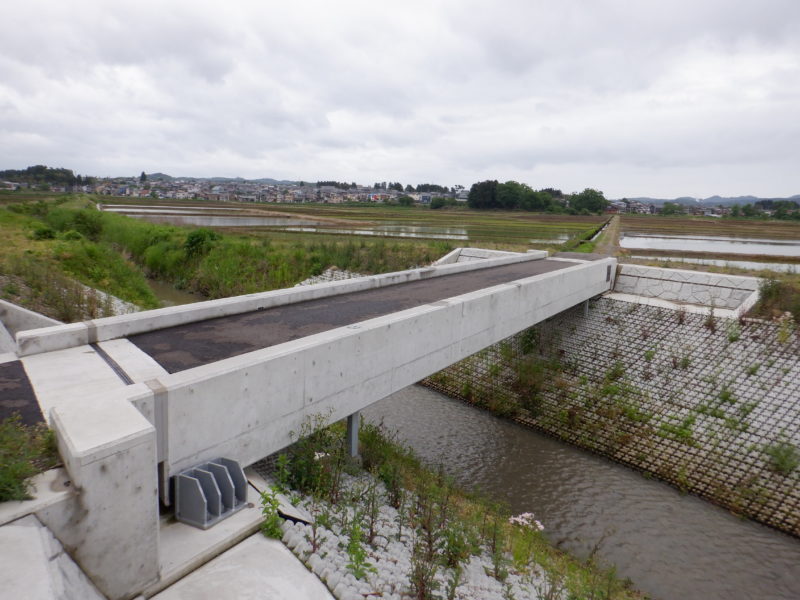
(709, 405)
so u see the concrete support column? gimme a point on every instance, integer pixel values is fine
(353, 422)
(585, 308)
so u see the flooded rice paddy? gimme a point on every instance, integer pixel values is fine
(749, 265)
(461, 226)
(711, 244)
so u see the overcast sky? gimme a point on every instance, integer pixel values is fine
(635, 98)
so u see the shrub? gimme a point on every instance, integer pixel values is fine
(199, 242)
(43, 232)
(784, 457)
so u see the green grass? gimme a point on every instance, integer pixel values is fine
(99, 266)
(24, 452)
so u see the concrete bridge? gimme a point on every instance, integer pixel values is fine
(136, 399)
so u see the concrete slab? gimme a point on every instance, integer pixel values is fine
(65, 376)
(183, 548)
(38, 568)
(257, 568)
(47, 489)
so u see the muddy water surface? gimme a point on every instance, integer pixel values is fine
(673, 547)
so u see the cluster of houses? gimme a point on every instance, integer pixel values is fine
(242, 191)
(626, 206)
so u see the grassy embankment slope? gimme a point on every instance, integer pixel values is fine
(51, 250)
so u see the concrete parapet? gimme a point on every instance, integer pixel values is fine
(76, 334)
(110, 526)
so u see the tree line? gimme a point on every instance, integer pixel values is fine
(512, 195)
(42, 174)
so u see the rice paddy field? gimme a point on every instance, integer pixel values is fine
(737, 244)
(711, 226)
(491, 229)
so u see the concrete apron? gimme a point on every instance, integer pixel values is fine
(257, 568)
(230, 561)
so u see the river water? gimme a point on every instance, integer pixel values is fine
(673, 546)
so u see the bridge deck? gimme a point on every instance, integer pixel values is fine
(195, 344)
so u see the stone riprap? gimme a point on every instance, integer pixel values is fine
(332, 274)
(391, 554)
(710, 405)
(689, 287)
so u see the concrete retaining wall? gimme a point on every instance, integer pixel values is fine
(690, 287)
(98, 330)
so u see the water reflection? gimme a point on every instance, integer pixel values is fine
(221, 220)
(739, 264)
(671, 546)
(720, 244)
(169, 295)
(399, 231)
(129, 209)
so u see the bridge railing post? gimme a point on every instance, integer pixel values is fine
(353, 422)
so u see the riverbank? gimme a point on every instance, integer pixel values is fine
(398, 530)
(673, 546)
(704, 403)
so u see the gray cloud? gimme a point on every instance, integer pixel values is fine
(634, 98)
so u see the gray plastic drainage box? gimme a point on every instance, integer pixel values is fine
(210, 492)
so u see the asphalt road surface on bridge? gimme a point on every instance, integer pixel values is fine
(200, 343)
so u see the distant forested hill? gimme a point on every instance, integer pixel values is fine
(39, 174)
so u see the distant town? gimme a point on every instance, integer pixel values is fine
(266, 191)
